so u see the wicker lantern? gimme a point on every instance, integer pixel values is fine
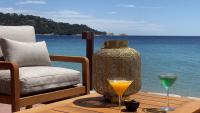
(118, 60)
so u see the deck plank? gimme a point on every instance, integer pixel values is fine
(148, 102)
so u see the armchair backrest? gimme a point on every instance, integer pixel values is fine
(18, 33)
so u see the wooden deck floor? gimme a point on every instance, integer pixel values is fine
(182, 104)
(6, 108)
(94, 103)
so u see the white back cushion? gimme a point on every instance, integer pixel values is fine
(25, 53)
(18, 33)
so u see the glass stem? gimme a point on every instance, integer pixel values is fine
(168, 97)
(119, 104)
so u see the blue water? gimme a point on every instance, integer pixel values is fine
(159, 54)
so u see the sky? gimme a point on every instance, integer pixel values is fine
(132, 17)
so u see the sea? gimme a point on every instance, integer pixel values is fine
(159, 54)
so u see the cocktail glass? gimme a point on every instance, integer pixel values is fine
(119, 85)
(167, 80)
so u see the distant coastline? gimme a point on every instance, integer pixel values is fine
(45, 26)
(51, 34)
(160, 36)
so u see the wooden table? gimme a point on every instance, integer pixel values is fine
(94, 103)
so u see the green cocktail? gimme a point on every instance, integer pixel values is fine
(167, 80)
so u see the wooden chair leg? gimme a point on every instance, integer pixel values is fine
(15, 108)
(15, 103)
(28, 107)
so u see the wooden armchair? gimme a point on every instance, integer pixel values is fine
(16, 98)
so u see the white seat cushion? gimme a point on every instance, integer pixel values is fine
(40, 78)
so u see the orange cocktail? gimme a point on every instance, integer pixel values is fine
(120, 85)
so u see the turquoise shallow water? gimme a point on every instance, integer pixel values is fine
(159, 54)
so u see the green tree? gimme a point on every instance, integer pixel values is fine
(45, 26)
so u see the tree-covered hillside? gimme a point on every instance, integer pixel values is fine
(45, 26)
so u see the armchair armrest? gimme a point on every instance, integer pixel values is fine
(15, 84)
(76, 59)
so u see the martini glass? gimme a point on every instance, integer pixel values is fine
(119, 85)
(167, 80)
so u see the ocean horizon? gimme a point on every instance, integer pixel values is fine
(171, 54)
